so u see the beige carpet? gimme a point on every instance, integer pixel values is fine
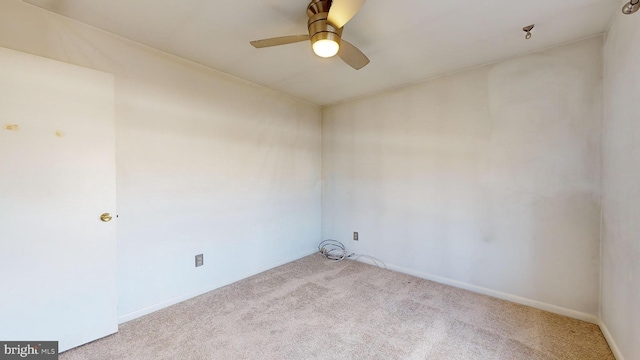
(317, 309)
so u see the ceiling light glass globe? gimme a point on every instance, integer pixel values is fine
(326, 48)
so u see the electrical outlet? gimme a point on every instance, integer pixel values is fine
(199, 260)
(355, 235)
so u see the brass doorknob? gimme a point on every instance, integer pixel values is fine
(106, 217)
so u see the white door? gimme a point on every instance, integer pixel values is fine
(57, 176)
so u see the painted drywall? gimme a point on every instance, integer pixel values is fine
(489, 177)
(206, 163)
(621, 186)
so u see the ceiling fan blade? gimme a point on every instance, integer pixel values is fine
(342, 11)
(282, 40)
(352, 56)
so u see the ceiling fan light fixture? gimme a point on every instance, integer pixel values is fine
(326, 48)
(326, 22)
(325, 38)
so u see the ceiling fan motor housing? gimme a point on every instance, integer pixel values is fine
(319, 27)
(318, 6)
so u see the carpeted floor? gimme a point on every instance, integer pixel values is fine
(317, 309)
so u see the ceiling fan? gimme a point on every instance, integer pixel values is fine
(326, 21)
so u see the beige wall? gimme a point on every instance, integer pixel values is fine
(487, 179)
(621, 186)
(206, 163)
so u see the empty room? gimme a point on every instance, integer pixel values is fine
(344, 179)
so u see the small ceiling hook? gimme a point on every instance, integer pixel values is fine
(631, 7)
(528, 29)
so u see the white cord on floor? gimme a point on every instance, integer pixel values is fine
(376, 262)
(334, 250)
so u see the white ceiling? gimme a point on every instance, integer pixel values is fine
(406, 40)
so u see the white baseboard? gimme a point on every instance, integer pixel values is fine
(612, 343)
(516, 299)
(497, 294)
(148, 310)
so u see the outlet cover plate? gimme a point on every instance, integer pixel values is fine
(199, 260)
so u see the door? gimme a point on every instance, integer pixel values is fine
(57, 176)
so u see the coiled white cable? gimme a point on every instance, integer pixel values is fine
(334, 250)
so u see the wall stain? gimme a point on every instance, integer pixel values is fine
(59, 134)
(12, 127)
